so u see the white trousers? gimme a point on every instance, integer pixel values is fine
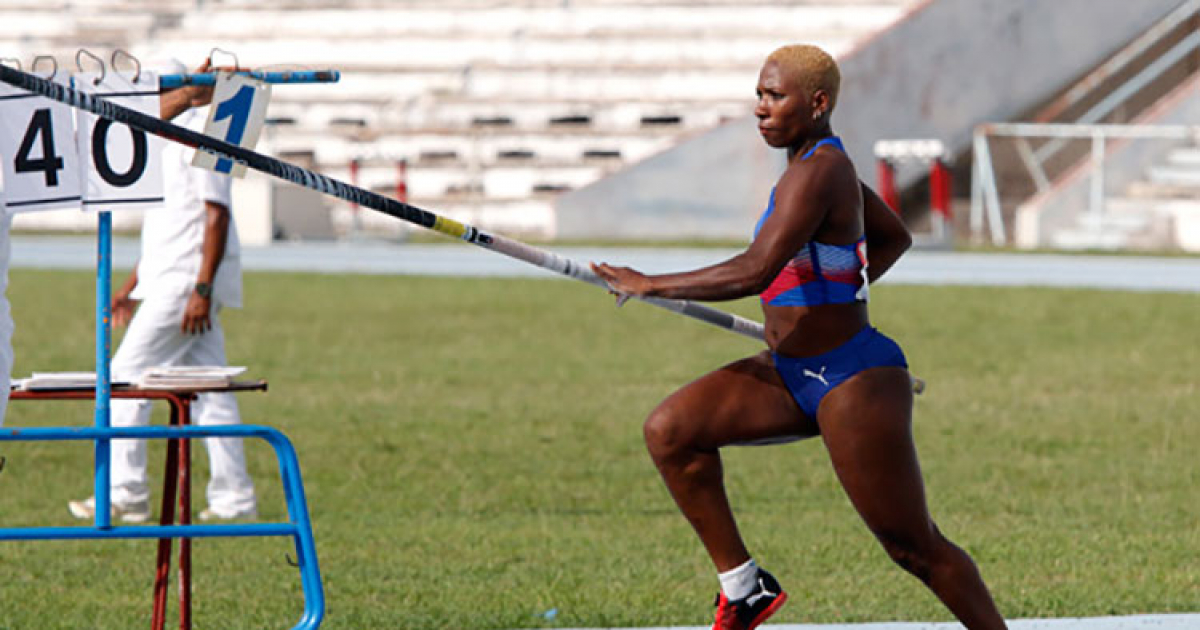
(6, 355)
(154, 339)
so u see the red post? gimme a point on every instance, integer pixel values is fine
(885, 174)
(402, 181)
(939, 188)
(354, 181)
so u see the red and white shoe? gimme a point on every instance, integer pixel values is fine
(747, 613)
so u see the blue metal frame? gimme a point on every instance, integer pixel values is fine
(298, 525)
(210, 78)
(103, 448)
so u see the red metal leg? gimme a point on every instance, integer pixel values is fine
(185, 518)
(163, 564)
(175, 481)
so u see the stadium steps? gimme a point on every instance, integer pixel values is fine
(498, 181)
(1185, 157)
(1136, 222)
(535, 97)
(451, 20)
(1160, 211)
(1175, 176)
(482, 146)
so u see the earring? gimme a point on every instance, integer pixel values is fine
(816, 115)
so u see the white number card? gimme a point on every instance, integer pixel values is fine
(122, 166)
(239, 108)
(37, 145)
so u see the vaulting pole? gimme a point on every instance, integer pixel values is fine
(321, 183)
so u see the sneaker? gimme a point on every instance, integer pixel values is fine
(128, 512)
(210, 514)
(748, 613)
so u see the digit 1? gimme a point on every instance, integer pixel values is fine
(49, 164)
(238, 108)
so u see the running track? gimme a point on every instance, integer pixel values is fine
(453, 259)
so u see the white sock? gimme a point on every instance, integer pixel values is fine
(739, 582)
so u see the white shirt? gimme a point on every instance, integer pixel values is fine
(5, 252)
(173, 235)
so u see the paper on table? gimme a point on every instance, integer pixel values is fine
(57, 380)
(167, 377)
(194, 371)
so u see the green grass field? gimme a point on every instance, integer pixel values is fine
(472, 457)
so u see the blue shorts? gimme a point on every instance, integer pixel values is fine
(810, 378)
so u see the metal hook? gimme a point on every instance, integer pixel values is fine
(216, 50)
(286, 556)
(53, 73)
(103, 70)
(137, 75)
(3, 59)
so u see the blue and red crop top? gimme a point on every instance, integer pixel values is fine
(819, 273)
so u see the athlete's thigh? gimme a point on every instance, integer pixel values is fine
(866, 424)
(744, 402)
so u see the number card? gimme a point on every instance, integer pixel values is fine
(122, 166)
(236, 116)
(37, 145)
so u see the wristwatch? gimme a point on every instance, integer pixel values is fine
(204, 290)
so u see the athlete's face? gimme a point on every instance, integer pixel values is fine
(784, 109)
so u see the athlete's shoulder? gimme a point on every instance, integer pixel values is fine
(827, 169)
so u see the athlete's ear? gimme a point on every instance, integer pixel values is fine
(820, 103)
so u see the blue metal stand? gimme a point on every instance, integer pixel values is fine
(103, 377)
(298, 526)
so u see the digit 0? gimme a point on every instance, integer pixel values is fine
(137, 166)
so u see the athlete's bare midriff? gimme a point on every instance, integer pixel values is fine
(804, 331)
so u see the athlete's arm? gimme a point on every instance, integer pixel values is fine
(887, 237)
(216, 230)
(802, 197)
(123, 305)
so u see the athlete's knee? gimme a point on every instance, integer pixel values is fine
(916, 553)
(665, 432)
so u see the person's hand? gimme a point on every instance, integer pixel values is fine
(195, 315)
(175, 101)
(199, 95)
(122, 309)
(623, 282)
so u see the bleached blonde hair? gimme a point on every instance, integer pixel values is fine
(814, 68)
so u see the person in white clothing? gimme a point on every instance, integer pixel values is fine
(190, 268)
